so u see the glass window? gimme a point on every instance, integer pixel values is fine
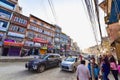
(22, 30)
(3, 24)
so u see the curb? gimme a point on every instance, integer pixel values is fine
(16, 59)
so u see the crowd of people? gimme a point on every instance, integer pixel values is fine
(99, 70)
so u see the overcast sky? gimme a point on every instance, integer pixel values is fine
(71, 17)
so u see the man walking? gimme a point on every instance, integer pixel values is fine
(82, 71)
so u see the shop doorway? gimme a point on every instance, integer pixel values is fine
(5, 51)
(14, 51)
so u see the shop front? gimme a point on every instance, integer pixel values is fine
(11, 48)
(42, 45)
(43, 50)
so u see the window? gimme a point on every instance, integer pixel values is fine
(17, 29)
(21, 30)
(30, 35)
(41, 24)
(3, 24)
(34, 21)
(20, 20)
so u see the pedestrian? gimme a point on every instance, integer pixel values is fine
(105, 68)
(113, 67)
(119, 66)
(93, 69)
(80, 56)
(82, 71)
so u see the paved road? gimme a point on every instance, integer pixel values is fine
(17, 71)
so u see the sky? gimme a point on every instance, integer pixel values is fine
(71, 17)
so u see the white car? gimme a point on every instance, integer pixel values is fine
(70, 64)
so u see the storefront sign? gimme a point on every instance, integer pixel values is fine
(29, 43)
(6, 43)
(16, 34)
(37, 45)
(9, 40)
(43, 47)
(40, 40)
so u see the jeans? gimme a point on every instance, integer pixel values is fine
(105, 76)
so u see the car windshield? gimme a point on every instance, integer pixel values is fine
(70, 59)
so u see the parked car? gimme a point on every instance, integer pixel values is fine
(70, 64)
(44, 62)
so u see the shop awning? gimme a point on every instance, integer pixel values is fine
(6, 43)
(40, 40)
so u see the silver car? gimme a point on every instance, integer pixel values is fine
(70, 64)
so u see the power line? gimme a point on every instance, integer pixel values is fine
(53, 10)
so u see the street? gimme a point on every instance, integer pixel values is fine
(17, 71)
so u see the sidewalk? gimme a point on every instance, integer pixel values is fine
(15, 58)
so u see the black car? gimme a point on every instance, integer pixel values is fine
(44, 62)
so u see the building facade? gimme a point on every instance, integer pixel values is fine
(112, 7)
(39, 36)
(64, 42)
(7, 7)
(14, 39)
(57, 39)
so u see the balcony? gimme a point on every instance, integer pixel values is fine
(13, 1)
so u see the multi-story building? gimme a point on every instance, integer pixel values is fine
(39, 35)
(14, 39)
(7, 8)
(112, 8)
(57, 39)
(64, 42)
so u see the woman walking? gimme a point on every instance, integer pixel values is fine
(113, 66)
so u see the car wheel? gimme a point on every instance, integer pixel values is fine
(41, 68)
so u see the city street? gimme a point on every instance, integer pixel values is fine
(17, 71)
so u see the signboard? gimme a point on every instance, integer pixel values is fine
(40, 40)
(16, 35)
(43, 47)
(29, 43)
(6, 43)
(37, 45)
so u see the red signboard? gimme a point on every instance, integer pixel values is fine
(6, 43)
(40, 40)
